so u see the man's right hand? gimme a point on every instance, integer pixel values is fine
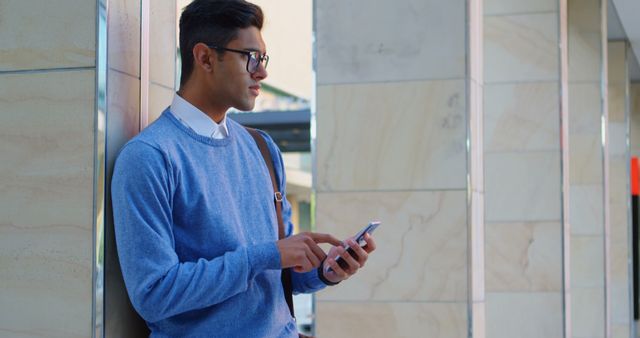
(302, 252)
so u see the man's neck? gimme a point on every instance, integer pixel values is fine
(198, 100)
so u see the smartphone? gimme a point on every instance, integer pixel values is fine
(359, 238)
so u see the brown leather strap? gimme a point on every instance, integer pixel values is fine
(277, 199)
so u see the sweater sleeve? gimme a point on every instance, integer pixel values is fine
(158, 283)
(306, 282)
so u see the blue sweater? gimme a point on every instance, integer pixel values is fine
(196, 229)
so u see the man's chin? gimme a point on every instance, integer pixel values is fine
(246, 106)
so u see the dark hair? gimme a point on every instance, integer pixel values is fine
(214, 22)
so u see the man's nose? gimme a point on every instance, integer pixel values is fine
(261, 72)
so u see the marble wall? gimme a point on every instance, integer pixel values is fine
(588, 187)
(162, 42)
(522, 168)
(634, 103)
(47, 119)
(619, 198)
(392, 119)
(123, 122)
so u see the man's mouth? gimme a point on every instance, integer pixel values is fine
(255, 90)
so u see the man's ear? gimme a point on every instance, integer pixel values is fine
(202, 57)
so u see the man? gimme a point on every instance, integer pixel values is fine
(195, 221)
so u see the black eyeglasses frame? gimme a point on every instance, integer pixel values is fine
(261, 58)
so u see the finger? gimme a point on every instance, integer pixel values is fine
(324, 238)
(302, 261)
(306, 265)
(311, 257)
(360, 252)
(371, 244)
(317, 251)
(352, 264)
(336, 269)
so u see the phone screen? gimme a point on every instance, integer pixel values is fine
(370, 228)
(359, 238)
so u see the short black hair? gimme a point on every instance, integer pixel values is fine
(214, 22)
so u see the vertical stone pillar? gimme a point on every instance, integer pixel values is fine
(49, 168)
(141, 76)
(475, 167)
(396, 98)
(163, 35)
(634, 118)
(588, 165)
(523, 72)
(123, 122)
(619, 199)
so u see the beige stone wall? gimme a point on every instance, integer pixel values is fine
(635, 118)
(47, 117)
(522, 156)
(587, 184)
(619, 199)
(123, 122)
(391, 136)
(162, 55)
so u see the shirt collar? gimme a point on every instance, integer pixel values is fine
(197, 120)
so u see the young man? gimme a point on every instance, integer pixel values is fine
(193, 202)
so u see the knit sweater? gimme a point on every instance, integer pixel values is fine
(196, 231)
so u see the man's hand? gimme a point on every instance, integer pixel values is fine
(302, 252)
(339, 274)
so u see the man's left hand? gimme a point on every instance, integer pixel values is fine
(338, 274)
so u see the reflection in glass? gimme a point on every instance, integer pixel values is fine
(99, 171)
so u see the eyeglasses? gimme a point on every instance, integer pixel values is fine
(254, 58)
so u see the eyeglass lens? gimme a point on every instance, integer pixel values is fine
(254, 61)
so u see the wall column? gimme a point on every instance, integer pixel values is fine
(634, 118)
(525, 120)
(52, 147)
(588, 163)
(620, 190)
(394, 106)
(123, 122)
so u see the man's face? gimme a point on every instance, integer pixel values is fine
(234, 84)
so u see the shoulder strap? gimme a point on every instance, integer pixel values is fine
(277, 200)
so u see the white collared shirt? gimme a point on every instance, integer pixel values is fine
(197, 120)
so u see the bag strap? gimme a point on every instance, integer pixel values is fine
(277, 200)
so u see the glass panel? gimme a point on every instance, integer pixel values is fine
(99, 180)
